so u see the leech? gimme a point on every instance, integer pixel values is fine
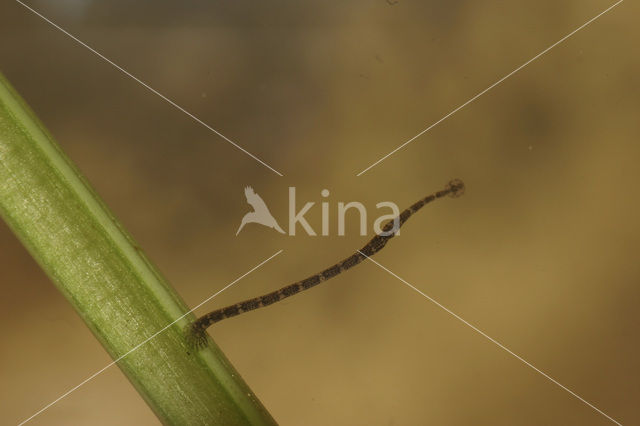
(197, 329)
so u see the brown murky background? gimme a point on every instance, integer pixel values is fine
(541, 253)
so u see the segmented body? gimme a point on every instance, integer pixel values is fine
(455, 188)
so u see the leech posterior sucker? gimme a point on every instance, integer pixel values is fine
(197, 330)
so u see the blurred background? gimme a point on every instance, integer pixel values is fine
(541, 253)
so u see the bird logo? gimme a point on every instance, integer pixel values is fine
(260, 213)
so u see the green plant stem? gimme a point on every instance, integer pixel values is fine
(118, 293)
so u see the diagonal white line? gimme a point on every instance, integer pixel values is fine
(94, 375)
(151, 89)
(492, 340)
(490, 87)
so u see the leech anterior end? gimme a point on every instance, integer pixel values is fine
(197, 330)
(456, 188)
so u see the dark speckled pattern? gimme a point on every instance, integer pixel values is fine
(455, 188)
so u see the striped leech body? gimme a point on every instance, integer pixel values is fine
(198, 328)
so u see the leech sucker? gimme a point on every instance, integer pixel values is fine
(197, 329)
